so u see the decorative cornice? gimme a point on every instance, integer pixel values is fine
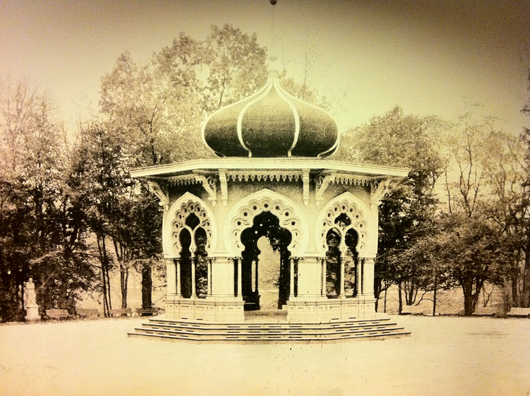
(210, 187)
(290, 164)
(322, 184)
(160, 193)
(378, 192)
(265, 175)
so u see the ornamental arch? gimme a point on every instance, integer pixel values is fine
(242, 215)
(188, 215)
(344, 214)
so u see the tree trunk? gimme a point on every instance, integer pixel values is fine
(514, 280)
(147, 287)
(525, 295)
(105, 282)
(470, 298)
(386, 292)
(400, 297)
(468, 304)
(377, 290)
(124, 278)
(434, 294)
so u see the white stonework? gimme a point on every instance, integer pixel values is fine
(306, 195)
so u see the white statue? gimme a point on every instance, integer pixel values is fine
(30, 301)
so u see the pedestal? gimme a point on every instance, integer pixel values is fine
(32, 313)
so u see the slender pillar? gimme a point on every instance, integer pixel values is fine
(239, 277)
(171, 278)
(193, 282)
(358, 278)
(256, 273)
(179, 276)
(324, 283)
(210, 276)
(342, 272)
(368, 277)
(291, 293)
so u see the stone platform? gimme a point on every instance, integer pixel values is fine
(269, 327)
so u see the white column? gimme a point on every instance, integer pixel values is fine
(342, 272)
(309, 275)
(210, 276)
(358, 280)
(324, 283)
(223, 276)
(179, 287)
(291, 283)
(193, 283)
(256, 273)
(368, 277)
(239, 277)
(171, 278)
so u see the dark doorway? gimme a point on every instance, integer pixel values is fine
(265, 225)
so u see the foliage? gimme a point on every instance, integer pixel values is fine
(407, 212)
(40, 235)
(523, 271)
(119, 211)
(471, 251)
(151, 109)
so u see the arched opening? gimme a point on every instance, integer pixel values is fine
(333, 257)
(265, 225)
(193, 259)
(342, 259)
(352, 263)
(185, 263)
(201, 262)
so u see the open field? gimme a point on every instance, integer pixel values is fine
(444, 356)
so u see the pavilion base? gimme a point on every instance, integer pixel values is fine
(301, 321)
(220, 310)
(277, 331)
(299, 310)
(324, 310)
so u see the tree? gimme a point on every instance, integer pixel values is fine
(483, 191)
(524, 211)
(151, 109)
(472, 251)
(407, 212)
(120, 212)
(236, 67)
(41, 236)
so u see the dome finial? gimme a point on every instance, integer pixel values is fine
(273, 58)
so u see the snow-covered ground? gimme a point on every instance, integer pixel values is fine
(444, 356)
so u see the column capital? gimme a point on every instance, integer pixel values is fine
(367, 258)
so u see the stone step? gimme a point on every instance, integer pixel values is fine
(279, 324)
(264, 328)
(267, 332)
(274, 338)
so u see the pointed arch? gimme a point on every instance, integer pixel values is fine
(242, 214)
(178, 218)
(344, 206)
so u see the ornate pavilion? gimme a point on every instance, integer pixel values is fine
(272, 179)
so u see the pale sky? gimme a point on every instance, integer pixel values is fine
(429, 56)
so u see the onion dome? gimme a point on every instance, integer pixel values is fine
(271, 123)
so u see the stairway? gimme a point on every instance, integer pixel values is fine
(269, 331)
